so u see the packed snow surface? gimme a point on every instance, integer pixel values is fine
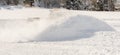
(38, 31)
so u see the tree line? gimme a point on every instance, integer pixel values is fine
(98, 5)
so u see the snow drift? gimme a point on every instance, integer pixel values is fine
(74, 28)
(35, 24)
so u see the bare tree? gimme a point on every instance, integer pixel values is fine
(111, 5)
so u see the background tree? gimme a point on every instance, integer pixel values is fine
(101, 5)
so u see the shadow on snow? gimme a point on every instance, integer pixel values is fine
(76, 27)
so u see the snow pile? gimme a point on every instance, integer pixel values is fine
(35, 24)
(74, 28)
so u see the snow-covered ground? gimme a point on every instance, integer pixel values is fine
(38, 31)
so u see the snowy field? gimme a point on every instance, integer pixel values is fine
(38, 31)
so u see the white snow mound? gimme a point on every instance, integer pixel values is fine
(35, 24)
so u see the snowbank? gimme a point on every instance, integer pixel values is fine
(35, 24)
